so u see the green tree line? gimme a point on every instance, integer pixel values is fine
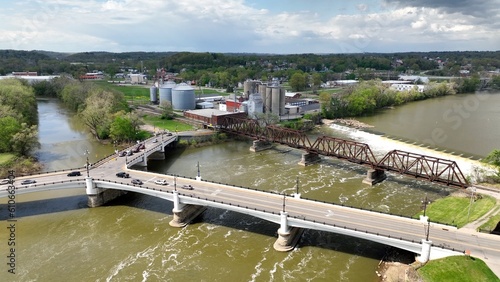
(18, 118)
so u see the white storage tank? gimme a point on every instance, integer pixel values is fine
(166, 91)
(183, 97)
(152, 95)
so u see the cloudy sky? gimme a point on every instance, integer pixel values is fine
(251, 26)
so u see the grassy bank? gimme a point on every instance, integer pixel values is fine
(20, 165)
(457, 269)
(459, 210)
(165, 124)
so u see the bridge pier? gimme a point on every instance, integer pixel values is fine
(309, 159)
(183, 214)
(260, 145)
(98, 196)
(426, 251)
(374, 176)
(288, 237)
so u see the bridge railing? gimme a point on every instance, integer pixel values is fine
(48, 172)
(309, 199)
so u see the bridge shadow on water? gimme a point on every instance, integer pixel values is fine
(45, 206)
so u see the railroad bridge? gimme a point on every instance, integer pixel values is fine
(419, 166)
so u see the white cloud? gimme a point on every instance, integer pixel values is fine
(240, 26)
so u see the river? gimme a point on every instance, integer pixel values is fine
(60, 239)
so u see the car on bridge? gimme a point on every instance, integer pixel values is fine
(122, 174)
(74, 173)
(28, 181)
(130, 153)
(187, 187)
(136, 181)
(5, 181)
(122, 154)
(161, 182)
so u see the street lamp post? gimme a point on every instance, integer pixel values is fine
(470, 202)
(87, 154)
(284, 198)
(425, 202)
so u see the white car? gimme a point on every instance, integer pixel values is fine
(161, 182)
(4, 181)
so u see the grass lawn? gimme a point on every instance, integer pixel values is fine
(171, 125)
(131, 92)
(492, 222)
(457, 269)
(6, 158)
(455, 210)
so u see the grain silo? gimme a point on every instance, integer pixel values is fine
(282, 101)
(275, 100)
(255, 105)
(262, 91)
(166, 91)
(152, 95)
(250, 87)
(183, 97)
(268, 100)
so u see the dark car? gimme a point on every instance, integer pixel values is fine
(123, 174)
(141, 146)
(28, 181)
(74, 173)
(136, 149)
(136, 181)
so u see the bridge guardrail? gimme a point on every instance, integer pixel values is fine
(314, 200)
(49, 172)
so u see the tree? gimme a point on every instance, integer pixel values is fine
(267, 118)
(167, 111)
(9, 126)
(99, 106)
(20, 98)
(25, 140)
(316, 81)
(298, 81)
(126, 127)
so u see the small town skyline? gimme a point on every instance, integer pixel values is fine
(251, 26)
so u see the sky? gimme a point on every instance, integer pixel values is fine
(251, 26)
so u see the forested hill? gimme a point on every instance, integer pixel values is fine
(439, 63)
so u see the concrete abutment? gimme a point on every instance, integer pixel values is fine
(98, 196)
(185, 215)
(374, 176)
(309, 159)
(260, 145)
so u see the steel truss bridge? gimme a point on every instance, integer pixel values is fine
(419, 166)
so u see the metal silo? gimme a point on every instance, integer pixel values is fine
(255, 105)
(282, 101)
(152, 95)
(268, 100)
(275, 103)
(262, 91)
(183, 97)
(166, 91)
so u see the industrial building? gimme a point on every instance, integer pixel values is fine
(211, 117)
